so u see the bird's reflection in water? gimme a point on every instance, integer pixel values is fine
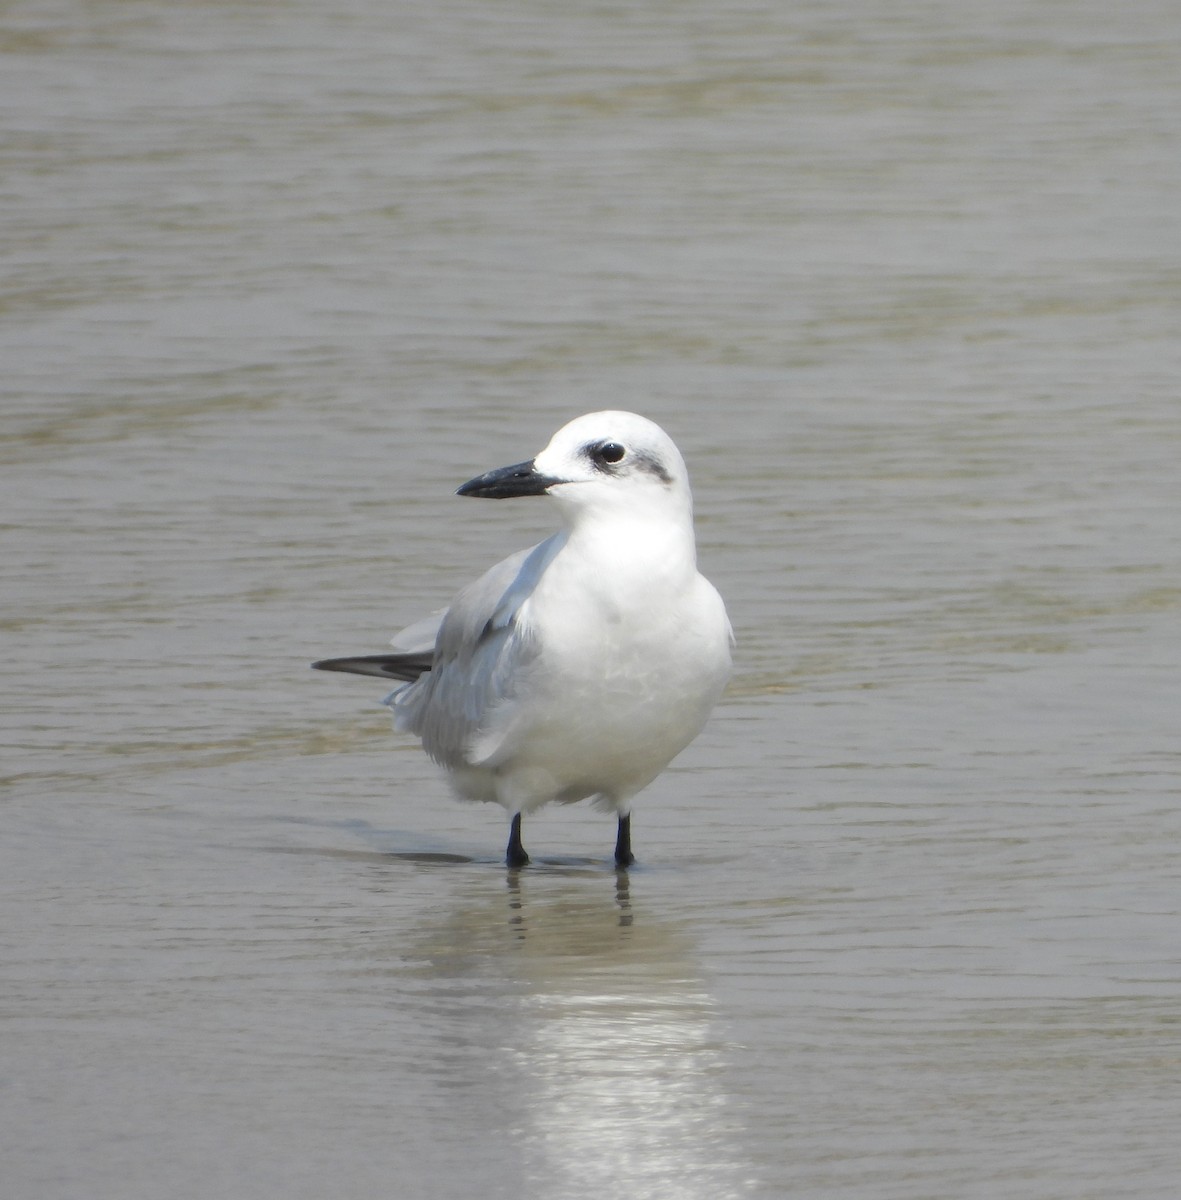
(518, 918)
(617, 1078)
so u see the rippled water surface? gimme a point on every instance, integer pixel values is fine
(904, 282)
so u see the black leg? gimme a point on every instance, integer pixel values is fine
(515, 855)
(623, 843)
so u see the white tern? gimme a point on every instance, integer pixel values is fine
(580, 667)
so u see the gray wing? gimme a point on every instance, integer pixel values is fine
(483, 645)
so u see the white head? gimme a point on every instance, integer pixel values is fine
(601, 462)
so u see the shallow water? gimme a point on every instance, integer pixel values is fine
(902, 281)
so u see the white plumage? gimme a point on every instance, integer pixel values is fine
(578, 668)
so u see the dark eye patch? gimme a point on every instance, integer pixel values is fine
(608, 453)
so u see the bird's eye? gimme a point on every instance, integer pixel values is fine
(610, 452)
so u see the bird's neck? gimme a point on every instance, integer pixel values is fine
(650, 544)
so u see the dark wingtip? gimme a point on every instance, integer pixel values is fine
(406, 667)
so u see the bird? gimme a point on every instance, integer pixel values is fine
(580, 667)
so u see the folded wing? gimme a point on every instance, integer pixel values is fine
(458, 665)
(483, 646)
